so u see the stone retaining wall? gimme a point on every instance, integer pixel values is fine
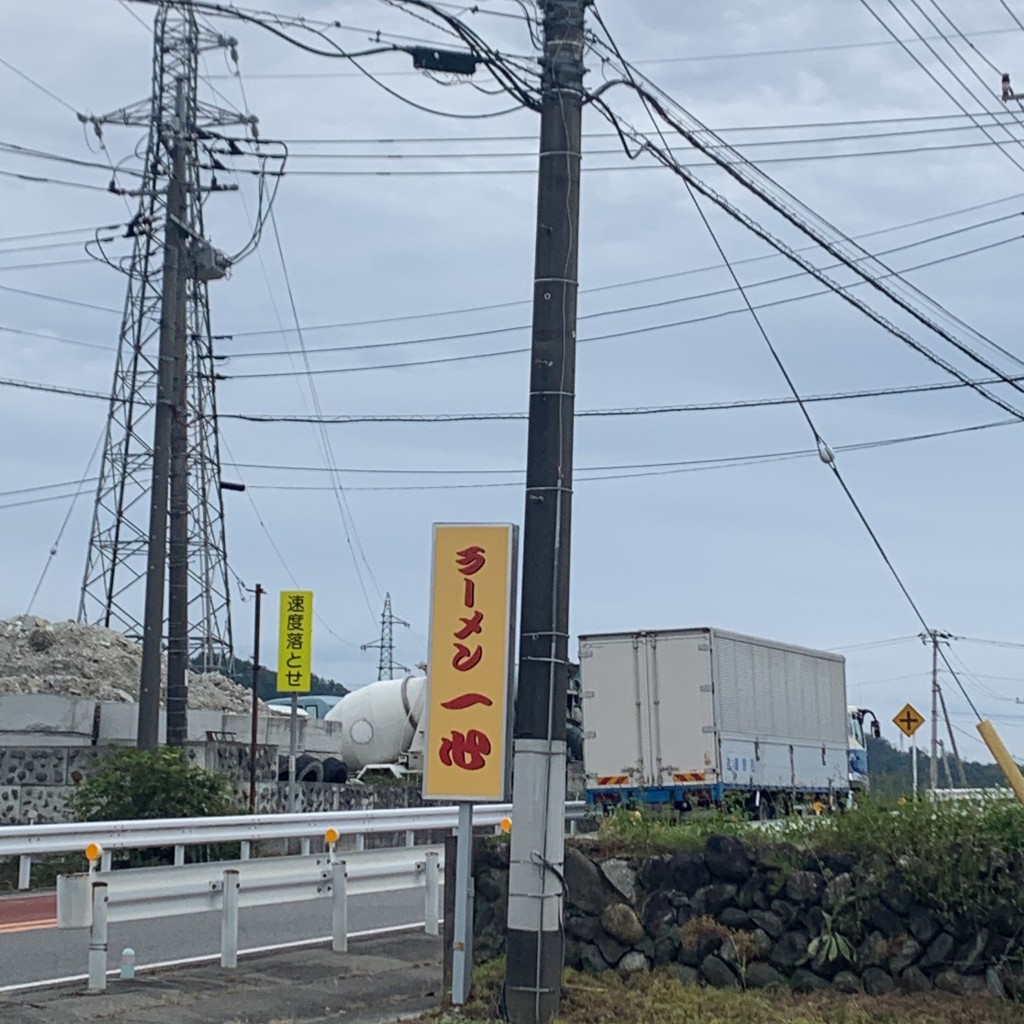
(731, 918)
(36, 782)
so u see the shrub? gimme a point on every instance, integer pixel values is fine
(138, 784)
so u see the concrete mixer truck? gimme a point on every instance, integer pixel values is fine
(382, 726)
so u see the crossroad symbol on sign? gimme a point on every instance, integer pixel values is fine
(909, 720)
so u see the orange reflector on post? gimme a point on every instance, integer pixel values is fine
(93, 852)
(331, 836)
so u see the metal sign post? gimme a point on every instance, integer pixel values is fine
(294, 657)
(462, 944)
(468, 720)
(913, 756)
(908, 720)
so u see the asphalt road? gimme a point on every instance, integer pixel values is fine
(43, 954)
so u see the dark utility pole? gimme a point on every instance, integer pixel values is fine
(535, 946)
(177, 557)
(171, 323)
(255, 699)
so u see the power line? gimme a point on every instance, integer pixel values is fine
(484, 172)
(38, 85)
(57, 389)
(616, 311)
(822, 449)
(767, 190)
(881, 21)
(611, 286)
(60, 232)
(479, 417)
(477, 139)
(347, 521)
(388, 154)
(37, 179)
(59, 298)
(4, 329)
(633, 332)
(693, 58)
(670, 468)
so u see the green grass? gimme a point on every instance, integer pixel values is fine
(965, 860)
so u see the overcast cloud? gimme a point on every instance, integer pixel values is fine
(772, 549)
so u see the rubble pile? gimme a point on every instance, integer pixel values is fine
(77, 660)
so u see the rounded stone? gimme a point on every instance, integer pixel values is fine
(633, 962)
(726, 858)
(621, 923)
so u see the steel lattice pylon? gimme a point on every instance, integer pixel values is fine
(114, 582)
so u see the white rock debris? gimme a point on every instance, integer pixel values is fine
(77, 660)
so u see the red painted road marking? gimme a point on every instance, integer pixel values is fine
(21, 913)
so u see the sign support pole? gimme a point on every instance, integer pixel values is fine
(913, 754)
(292, 747)
(462, 960)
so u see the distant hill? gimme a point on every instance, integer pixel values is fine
(242, 674)
(891, 771)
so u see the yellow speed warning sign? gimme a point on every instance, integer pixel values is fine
(908, 720)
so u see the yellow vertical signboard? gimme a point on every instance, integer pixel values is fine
(470, 662)
(295, 641)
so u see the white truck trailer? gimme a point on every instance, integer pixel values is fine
(683, 717)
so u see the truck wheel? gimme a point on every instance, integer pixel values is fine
(335, 770)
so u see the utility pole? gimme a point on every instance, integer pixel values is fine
(386, 643)
(170, 324)
(254, 736)
(177, 590)
(945, 764)
(535, 944)
(933, 761)
(932, 637)
(952, 741)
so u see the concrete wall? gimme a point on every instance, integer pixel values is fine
(38, 719)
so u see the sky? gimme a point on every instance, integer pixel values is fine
(400, 223)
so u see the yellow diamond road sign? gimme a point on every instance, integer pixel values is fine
(909, 720)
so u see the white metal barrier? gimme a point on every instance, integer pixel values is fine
(95, 900)
(27, 841)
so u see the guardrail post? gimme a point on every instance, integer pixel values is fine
(106, 859)
(360, 841)
(339, 906)
(25, 871)
(572, 826)
(246, 849)
(179, 854)
(98, 939)
(304, 846)
(229, 920)
(410, 837)
(432, 886)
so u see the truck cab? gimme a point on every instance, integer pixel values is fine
(859, 781)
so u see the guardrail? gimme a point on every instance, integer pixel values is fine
(95, 900)
(28, 841)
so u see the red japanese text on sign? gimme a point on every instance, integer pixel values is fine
(469, 662)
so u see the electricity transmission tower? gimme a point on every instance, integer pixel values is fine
(386, 664)
(165, 330)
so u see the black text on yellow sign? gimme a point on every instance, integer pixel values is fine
(295, 642)
(909, 720)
